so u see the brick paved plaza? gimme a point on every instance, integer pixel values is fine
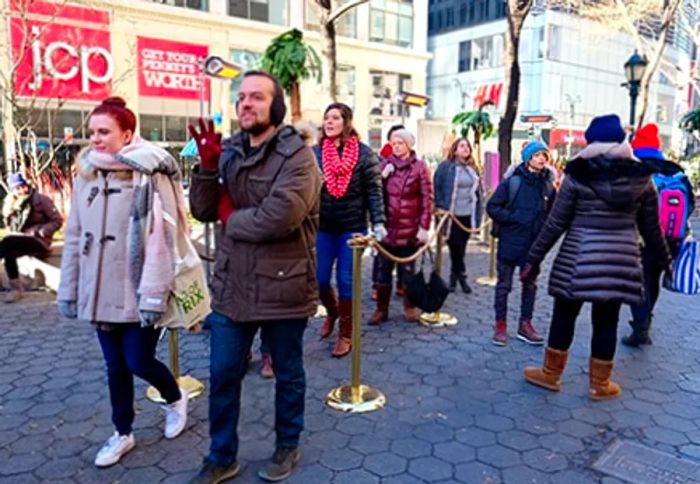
(458, 409)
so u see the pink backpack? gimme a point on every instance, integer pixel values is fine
(673, 204)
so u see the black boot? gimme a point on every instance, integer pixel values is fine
(463, 283)
(639, 336)
(453, 283)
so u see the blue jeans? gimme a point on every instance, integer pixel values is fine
(130, 350)
(329, 247)
(230, 343)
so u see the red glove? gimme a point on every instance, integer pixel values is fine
(386, 151)
(225, 207)
(208, 144)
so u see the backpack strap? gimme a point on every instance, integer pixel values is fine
(514, 182)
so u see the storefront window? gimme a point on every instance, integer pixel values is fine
(385, 95)
(175, 128)
(345, 78)
(391, 22)
(67, 124)
(271, 11)
(151, 127)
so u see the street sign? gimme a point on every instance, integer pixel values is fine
(535, 118)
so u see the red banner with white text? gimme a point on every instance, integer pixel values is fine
(170, 69)
(62, 51)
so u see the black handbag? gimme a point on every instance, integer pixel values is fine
(428, 296)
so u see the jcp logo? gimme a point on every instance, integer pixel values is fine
(63, 62)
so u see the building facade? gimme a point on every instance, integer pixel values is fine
(149, 51)
(572, 70)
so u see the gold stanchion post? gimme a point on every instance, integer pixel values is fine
(190, 385)
(438, 318)
(356, 398)
(491, 279)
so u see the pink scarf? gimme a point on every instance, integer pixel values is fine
(337, 171)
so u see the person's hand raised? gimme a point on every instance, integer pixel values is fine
(208, 144)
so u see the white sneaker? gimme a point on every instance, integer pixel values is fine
(176, 416)
(113, 450)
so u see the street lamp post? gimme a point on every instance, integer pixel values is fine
(216, 67)
(634, 71)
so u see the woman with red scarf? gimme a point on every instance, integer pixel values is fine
(351, 194)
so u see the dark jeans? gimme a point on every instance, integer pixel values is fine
(604, 316)
(130, 350)
(331, 247)
(375, 272)
(503, 287)
(386, 267)
(14, 246)
(457, 243)
(642, 313)
(230, 343)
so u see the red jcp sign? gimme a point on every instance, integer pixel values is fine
(62, 51)
(170, 69)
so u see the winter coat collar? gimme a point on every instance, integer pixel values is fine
(546, 174)
(285, 140)
(400, 164)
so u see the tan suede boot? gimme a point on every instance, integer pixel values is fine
(601, 388)
(382, 312)
(549, 376)
(344, 343)
(15, 293)
(410, 312)
(330, 302)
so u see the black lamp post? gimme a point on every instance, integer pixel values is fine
(634, 70)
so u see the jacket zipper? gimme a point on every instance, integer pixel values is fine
(101, 240)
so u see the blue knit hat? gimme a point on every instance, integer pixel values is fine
(531, 148)
(16, 180)
(605, 129)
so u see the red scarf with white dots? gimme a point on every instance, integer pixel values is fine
(337, 170)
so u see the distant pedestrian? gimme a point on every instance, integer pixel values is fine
(114, 272)
(350, 198)
(408, 192)
(459, 189)
(265, 274)
(676, 198)
(519, 207)
(606, 202)
(32, 220)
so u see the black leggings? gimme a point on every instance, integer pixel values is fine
(14, 246)
(457, 243)
(605, 317)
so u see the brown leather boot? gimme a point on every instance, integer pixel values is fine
(330, 302)
(601, 388)
(344, 343)
(383, 300)
(410, 312)
(549, 376)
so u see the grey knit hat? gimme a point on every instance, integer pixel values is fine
(406, 136)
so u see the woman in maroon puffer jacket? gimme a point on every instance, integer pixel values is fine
(408, 195)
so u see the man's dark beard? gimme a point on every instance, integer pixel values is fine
(257, 128)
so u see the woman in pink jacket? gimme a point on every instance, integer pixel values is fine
(408, 195)
(117, 266)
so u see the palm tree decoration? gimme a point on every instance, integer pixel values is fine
(291, 60)
(479, 122)
(691, 121)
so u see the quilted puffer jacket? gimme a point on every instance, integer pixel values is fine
(603, 207)
(408, 194)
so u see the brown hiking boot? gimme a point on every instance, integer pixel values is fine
(344, 343)
(500, 333)
(601, 388)
(330, 302)
(528, 334)
(282, 464)
(382, 312)
(549, 376)
(266, 370)
(410, 312)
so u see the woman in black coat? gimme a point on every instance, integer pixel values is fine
(606, 201)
